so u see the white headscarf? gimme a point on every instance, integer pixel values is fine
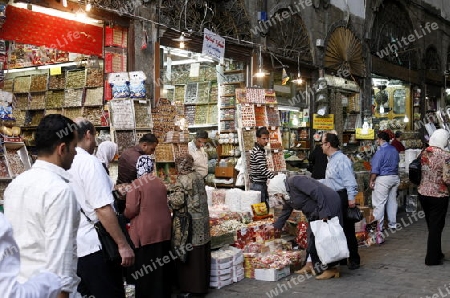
(439, 138)
(277, 185)
(106, 152)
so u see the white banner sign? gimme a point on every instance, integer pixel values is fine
(213, 45)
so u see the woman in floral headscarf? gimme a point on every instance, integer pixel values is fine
(146, 207)
(189, 196)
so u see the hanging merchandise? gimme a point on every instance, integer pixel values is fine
(137, 87)
(120, 84)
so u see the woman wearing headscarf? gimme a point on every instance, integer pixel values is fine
(316, 201)
(434, 194)
(189, 200)
(106, 152)
(150, 230)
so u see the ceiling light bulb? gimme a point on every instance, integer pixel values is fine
(260, 73)
(64, 3)
(381, 109)
(88, 6)
(181, 44)
(406, 119)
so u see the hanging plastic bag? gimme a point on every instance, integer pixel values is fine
(331, 244)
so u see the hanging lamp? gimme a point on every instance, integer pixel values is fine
(260, 73)
(299, 79)
(182, 40)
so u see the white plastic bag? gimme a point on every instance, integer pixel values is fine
(331, 244)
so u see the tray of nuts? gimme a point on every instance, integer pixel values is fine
(22, 84)
(39, 83)
(55, 99)
(57, 82)
(94, 97)
(73, 113)
(93, 114)
(19, 115)
(22, 101)
(164, 153)
(8, 85)
(125, 139)
(36, 117)
(142, 115)
(94, 77)
(37, 101)
(75, 78)
(73, 98)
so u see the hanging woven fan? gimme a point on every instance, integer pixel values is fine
(344, 53)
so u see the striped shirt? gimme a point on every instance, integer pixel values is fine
(258, 165)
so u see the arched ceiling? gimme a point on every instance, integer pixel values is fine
(390, 31)
(227, 18)
(431, 59)
(289, 37)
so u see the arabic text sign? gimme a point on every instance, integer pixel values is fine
(324, 122)
(213, 45)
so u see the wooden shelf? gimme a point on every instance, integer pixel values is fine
(234, 83)
(228, 107)
(228, 130)
(233, 71)
(228, 119)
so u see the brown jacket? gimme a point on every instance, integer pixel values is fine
(146, 207)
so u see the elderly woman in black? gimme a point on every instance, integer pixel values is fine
(316, 201)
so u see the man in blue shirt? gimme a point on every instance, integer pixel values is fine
(384, 182)
(340, 177)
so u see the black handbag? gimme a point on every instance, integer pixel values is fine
(110, 250)
(415, 170)
(354, 214)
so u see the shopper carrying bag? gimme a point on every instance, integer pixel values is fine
(331, 244)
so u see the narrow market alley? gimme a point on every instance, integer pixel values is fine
(393, 269)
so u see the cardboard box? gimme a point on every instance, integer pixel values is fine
(220, 283)
(218, 272)
(272, 274)
(368, 213)
(359, 199)
(217, 278)
(220, 266)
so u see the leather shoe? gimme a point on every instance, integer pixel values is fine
(353, 266)
(329, 273)
(306, 269)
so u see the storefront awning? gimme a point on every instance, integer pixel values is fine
(29, 27)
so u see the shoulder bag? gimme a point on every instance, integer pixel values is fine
(110, 249)
(415, 170)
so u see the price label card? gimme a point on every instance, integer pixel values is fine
(247, 128)
(273, 128)
(276, 150)
(55, 70)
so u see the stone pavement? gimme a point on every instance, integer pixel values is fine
(395, 268)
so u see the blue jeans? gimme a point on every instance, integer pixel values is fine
(262, 187)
